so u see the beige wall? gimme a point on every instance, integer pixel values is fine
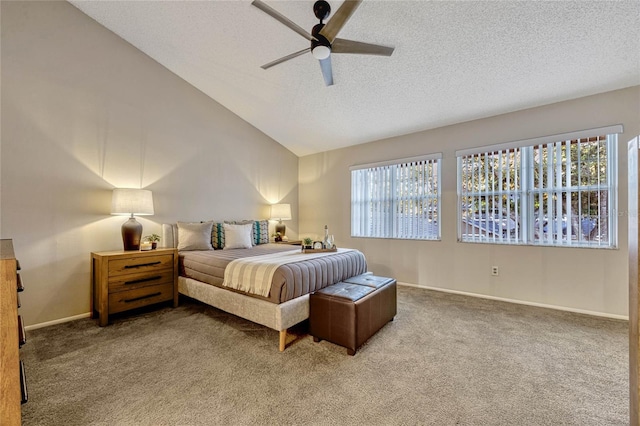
(84, 112)
(579, 279)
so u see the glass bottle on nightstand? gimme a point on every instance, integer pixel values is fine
(325, 242)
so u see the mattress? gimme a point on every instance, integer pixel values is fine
(290, 281)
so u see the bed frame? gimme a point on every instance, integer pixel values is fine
(278, 317)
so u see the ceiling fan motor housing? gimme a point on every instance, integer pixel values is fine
(320, 48)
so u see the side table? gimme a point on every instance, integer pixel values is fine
(124, 280)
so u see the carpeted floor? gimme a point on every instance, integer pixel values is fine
(445, 360)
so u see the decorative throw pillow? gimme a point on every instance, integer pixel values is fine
(217, 236)
(259, 231)
(237, 236)
(194, 236)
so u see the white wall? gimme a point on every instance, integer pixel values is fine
(579, 279)
(83, 112)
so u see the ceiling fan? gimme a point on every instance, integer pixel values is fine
(323, 36)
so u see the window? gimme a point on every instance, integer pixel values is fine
(397, 199)
(558, 190)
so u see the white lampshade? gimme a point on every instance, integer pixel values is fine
(281, 212)
(127, 201)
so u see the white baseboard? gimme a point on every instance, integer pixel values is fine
(521, 302)
(444, 290)
(58, 321)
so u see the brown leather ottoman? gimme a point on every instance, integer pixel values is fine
(349, 313)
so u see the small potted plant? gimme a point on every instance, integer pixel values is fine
(153, 239)
(307, 242)
(277, 237)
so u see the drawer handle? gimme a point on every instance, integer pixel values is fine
(22, 336)
(23, 384)
(19, 281)
(143, 280)
(135, 299)
(142, 265)
(18, 300)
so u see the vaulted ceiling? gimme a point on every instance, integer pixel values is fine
(454, 61)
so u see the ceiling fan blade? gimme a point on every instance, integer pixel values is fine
(325, 66)
(339, 18)
(282, 19)
(349, 46)
(286, 58)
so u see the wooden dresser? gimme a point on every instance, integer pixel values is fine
(13, 390)
(125, 280)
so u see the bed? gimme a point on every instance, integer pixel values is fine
(293, 276)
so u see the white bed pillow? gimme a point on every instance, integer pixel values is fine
(194, 235)
(237, 236)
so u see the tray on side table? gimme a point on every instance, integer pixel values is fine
(310, 250)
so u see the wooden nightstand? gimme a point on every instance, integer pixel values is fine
(124, 280)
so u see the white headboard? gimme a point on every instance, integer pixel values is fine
(170, 235)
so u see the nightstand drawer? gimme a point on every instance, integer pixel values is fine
(134, 264)
(142, 279)
(125, 300)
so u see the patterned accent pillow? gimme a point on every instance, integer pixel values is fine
(217, 236)
(259, 231)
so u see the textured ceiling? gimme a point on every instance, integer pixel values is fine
(454, 61)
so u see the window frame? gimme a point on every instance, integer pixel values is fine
(390, 223)
(526, 191)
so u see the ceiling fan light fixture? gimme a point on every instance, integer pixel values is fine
(321, 52)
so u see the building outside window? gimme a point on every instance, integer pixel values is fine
(397, 199)
(558, 190)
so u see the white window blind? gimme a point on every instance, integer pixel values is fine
(490, 201)
(560, 193)
(396, 199)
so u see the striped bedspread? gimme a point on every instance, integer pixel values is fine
(254, 274)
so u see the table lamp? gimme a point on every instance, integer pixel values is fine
(126, 201)
(281, 212)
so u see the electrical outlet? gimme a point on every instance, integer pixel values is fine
(495, 271)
